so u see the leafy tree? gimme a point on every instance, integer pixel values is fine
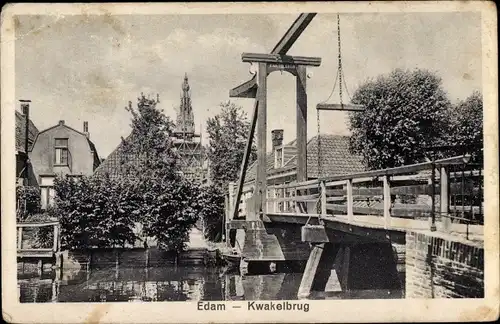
(228, 132)
(166, 201)
(148, 151)
(211, 200)
(466, 131)
(95, 212)
(405, 113)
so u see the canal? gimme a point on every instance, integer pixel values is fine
(171, 283)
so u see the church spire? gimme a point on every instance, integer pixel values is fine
(185, 85)
(185, 118)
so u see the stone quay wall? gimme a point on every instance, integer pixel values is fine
(443, 266)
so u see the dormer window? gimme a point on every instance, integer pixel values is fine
(278, 158)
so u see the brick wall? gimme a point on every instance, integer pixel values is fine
(443, 267)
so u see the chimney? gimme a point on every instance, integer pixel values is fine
(25, 108)
(86, 129)
(61, 122)
(277, 137)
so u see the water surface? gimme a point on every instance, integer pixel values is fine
(169, 283)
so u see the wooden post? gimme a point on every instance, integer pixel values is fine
(276, 203)
(55, 239)
(444, 199)
(350, 213)
(40, 267)
(116, 264)
(310, 271)
(19, 238)
(387, 202)
(231, 197)
(261, 181)
(244, 163)
(323, 198)
(345, 267)
(54, 291)
(432, 219)
(301, 123)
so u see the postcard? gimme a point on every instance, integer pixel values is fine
(297, 162)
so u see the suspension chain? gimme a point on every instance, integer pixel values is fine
(340, 61)
(340, 76)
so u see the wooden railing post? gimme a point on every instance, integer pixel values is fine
(231, 198)
(387, 202)
(19, 238)
(323, 198)
(275, 203)
(444, 199)
(56, 234)
(350, 213)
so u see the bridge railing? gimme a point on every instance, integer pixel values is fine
(447, 190)
(34, 237)
(297, 198)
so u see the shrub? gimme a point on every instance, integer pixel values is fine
(28, 201)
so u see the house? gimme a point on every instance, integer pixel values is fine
(61, 150)
(21, 155)
(336, 159)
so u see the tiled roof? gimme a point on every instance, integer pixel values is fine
(112, 165)
(335, 159)
(20, 132)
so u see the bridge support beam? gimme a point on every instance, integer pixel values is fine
(261, 177)
(310, 271)
(301, 81)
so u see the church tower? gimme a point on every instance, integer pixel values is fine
(185, 117)
(192, 157)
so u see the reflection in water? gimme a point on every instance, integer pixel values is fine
(169, 283)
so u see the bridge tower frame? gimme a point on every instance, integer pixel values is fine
(256, 88)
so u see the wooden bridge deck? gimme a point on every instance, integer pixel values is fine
(373, 226)
(406, 224)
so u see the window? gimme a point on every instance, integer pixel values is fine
(47, 191)
(61, 151)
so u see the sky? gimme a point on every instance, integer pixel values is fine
(87, 68)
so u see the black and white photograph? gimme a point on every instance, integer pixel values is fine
(250, 163)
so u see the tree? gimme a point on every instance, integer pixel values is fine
(95, 212)
(102, 211)
(148, 151)
(228, 132)
(467, 126)
(166, 201)
(406, 113)
(211, 200)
